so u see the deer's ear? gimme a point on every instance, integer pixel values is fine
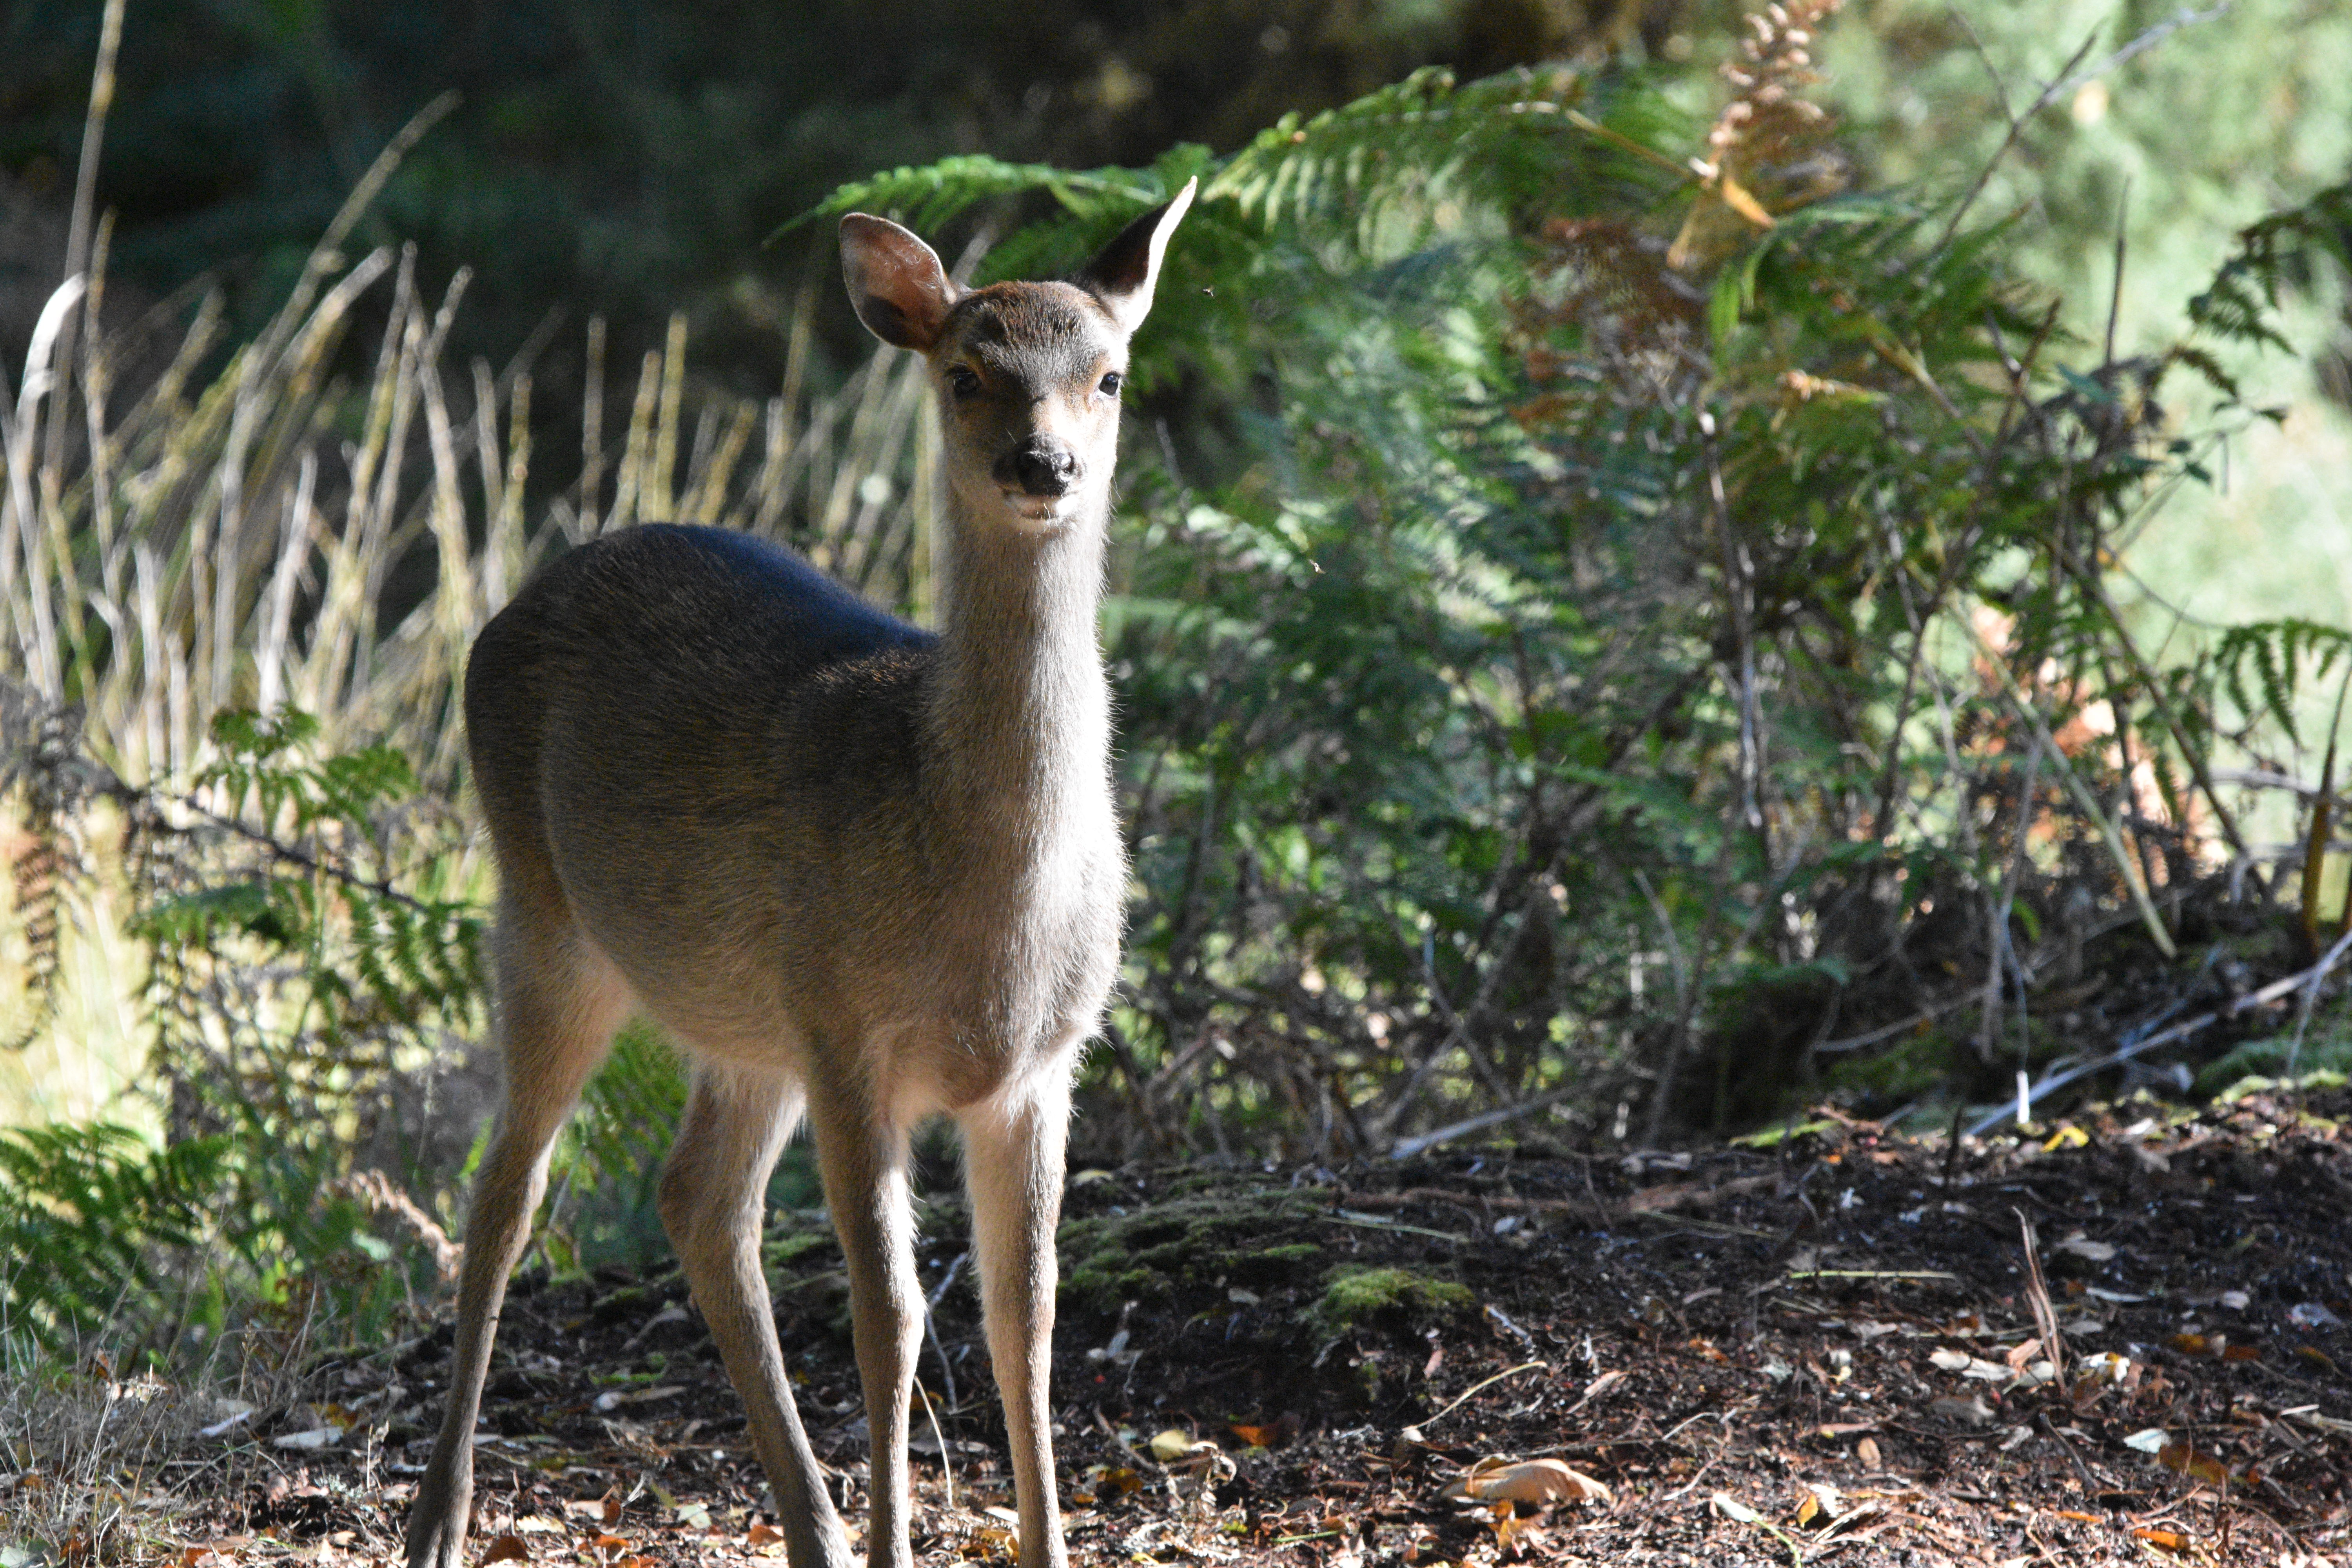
(1123, 275)
(896, 282)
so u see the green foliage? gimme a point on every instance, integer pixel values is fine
(300, 980)
(1520, 605)
(2241, 302)
(2282, 659)
(97, 1225)
(607, 1164)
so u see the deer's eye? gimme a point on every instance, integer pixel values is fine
(1110, 384)
(962, 380)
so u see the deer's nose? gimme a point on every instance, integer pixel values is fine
(1039, 466)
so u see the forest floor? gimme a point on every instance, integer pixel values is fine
(1836, 1348)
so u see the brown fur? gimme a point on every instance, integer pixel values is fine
(850, 867)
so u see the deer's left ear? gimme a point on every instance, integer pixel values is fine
(1123, 275)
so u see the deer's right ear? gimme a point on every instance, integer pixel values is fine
(896, 282)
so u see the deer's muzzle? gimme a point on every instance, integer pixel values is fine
(1040, 466)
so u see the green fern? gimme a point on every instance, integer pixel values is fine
(95, 1224)
(1376, 171)
(2263, 664)
(2269, 256)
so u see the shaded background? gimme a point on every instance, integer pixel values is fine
(629, 159)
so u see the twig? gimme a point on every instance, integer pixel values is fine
(1406, 1148)
(947, 1461)
(1428, 1421)
(930, 1328)
(2125, 865)
(2037, 1296)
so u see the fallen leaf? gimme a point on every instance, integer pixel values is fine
(1866, 1451)
(507, 1549)
(1172, 1445)
(2081, 1246)
(1732, 1507)
(2200, 1344)
(2149, 1440)
(2162, 1540)
(316, 1437)
(620, 1396)
(1972, 1410)
(2186, 1461)
(1970, 1366)
(609, 1544)
(1537, 1481)
(1256, 1436)
(761, 1535)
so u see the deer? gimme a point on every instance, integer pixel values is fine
(861, 873)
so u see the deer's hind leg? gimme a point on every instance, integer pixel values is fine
(713, 1196)
(557, 1001)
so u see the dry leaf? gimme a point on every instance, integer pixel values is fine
(507, 1549)
(1970, 1366)
(761, 1535)
(2162, 1540)
(2200, 1344)
(2082, 1247)
(1866, 1450)
(316, 1437)
(1731, 1507)
(609, 1544)
(1535, 1481)
(1256, 1436)
(1972, 1410)
(2187, 1462)
(1172, 1445)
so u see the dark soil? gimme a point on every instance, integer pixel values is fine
(1794, 1353)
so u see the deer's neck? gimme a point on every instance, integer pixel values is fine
(1020, 711)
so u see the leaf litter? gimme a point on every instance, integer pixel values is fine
(1848, 1345)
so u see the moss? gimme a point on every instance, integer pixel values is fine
(1353, 1295)
(1148, 1256)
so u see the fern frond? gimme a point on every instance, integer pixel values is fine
(2273, 656)
(2269, 256)
(925, 197)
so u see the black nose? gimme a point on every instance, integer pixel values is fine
(1040, 466)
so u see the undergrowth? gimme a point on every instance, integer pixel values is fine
(1616, 634)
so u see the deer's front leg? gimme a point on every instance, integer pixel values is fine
(864, 1161)
(1013, 1163)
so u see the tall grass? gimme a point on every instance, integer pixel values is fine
(323, 517)
(248, 527)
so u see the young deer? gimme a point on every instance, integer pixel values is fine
(855, 869)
